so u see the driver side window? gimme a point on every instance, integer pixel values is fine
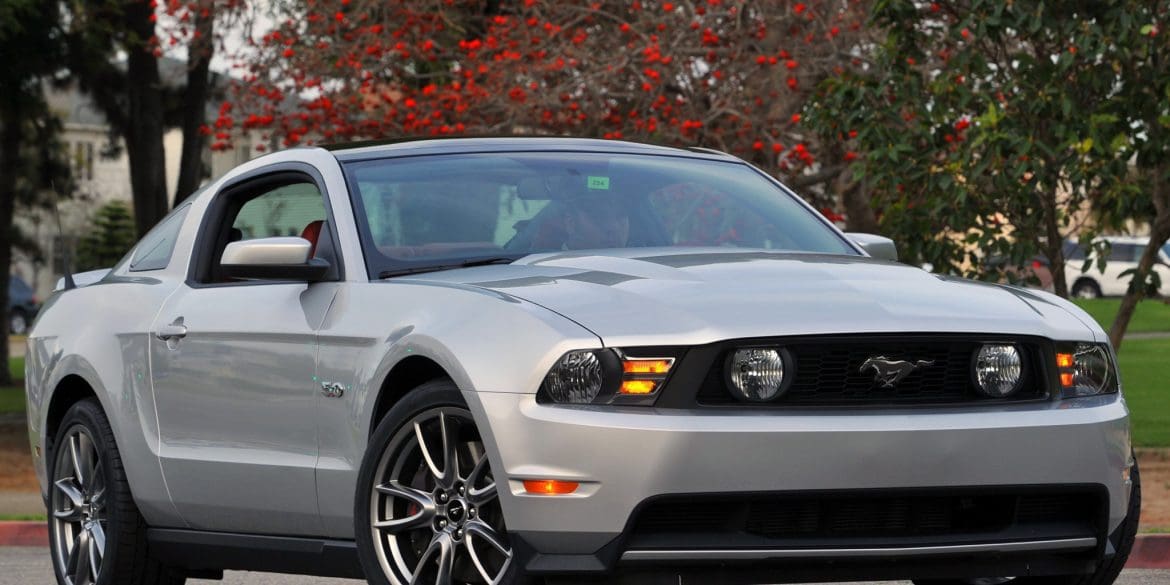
(278, 205)
(287, 210)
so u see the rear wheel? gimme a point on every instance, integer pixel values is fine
(426, 509)
(1086, 289)
(96, 535)
(1107, 570)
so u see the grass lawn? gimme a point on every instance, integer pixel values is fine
(1145, 367)
(1151, 314)
(12, 397)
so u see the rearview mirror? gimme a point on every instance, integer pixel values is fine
(876, 246)
(273, 259)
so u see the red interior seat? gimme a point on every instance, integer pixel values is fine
(312, 232)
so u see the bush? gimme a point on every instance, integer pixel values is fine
(108, 240)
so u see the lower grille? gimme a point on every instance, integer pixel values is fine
(886, 519)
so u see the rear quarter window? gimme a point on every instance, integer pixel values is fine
(155, 250)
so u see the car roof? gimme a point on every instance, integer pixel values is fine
(1142, 240)
(418, 146)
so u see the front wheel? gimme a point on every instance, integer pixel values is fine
(426, 509)
(18, 322)
(96, 534)
(1107, 570)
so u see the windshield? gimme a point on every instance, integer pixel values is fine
(422, 213)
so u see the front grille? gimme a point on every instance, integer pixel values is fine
(842, 518)
(828, 372)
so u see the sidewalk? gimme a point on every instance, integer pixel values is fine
(21, 504)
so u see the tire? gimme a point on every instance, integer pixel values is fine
(415, 514)
(18, 322)
(1086, 288)
(96, 534)
(1107, 569)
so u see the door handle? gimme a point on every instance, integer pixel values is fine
(175, 330)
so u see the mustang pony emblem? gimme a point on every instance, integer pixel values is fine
(889, 372)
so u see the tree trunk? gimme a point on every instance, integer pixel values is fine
(1159, 234)
(144, 129)
(859, 213)
(10, 129)
(194, 104)
(1054, 242)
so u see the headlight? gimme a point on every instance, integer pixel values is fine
(577, 378)
(1086, 369)
(998, 369)
(756, 374)
(605, 376)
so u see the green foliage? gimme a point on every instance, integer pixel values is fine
(108, 240)
(986, 124)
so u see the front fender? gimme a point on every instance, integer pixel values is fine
(483, 340)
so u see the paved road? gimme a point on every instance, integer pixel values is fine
(30, 566)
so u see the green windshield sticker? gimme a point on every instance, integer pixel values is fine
(599, 183)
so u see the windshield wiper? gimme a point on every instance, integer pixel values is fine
(441, 267)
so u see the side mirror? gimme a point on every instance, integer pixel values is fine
(273, 259)
(876, 246)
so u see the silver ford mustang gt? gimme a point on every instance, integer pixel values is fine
(499, 361)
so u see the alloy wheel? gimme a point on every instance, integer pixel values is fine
(434, 511)
(18, 323)
(78, 504)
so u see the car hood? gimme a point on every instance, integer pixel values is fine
(693, 296)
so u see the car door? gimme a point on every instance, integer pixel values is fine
(1120, 260)
(233, 366)
(1162, 267)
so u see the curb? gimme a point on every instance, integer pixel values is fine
(1150, 551)
(24, 533)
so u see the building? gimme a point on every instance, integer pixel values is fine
(101, 170)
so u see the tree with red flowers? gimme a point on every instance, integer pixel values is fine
(727, 75)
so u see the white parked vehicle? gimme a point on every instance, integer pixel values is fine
(1124, 254)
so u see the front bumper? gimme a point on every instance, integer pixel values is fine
(623, 457)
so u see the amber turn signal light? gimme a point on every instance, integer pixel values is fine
(550, 487)
(638, 387)
(1064, 360)
(646, 366)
